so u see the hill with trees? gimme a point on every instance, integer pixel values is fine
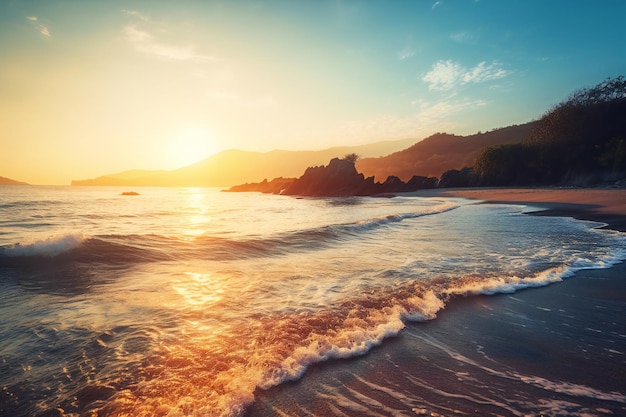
(581, 141)
(439, 153)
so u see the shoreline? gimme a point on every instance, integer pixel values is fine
(552, 350)
(594, 204)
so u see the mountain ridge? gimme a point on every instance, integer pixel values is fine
(441, 152)
(233, 166)
(9, 181)
(428, 157)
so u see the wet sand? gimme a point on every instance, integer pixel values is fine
(603, 205)
(558, 350)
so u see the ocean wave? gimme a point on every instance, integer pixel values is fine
(85, 249)
(278, 348)
(153, 247)
(392, 218)
(49, 248)
(364, 323)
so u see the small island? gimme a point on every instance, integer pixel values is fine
(130, 193)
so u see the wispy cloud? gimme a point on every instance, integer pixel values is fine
(447, 75)
(431, 113)
(406, 53)
(437, 4)
(136, 14)
(144, 41)
(40, 27)
(463, 37)
(428, 117)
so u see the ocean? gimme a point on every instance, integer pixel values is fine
(196, 302)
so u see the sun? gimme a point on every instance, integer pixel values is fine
(189, 145)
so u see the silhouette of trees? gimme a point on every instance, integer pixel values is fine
(351, 157)
(580, 137)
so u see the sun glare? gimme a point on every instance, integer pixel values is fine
(190, 145)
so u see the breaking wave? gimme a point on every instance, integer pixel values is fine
(117, 249)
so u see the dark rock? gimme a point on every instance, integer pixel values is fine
(458, 179)
(338, 179)
(421, 183)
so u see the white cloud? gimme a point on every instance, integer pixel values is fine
(437, 4)
(429, 113)
(136, 14)
(428, 117)
(446, 75)
(144, 41)
(463, 37)
(40, 28)
(406, 53)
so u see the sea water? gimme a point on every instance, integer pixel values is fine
(187, 301)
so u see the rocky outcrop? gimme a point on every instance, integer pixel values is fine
(341, 179)
(458, 179)
(338, 179)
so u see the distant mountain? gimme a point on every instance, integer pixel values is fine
(236, 167)
(130, 177)
(9, 181)
(136, 173)
(439, 153)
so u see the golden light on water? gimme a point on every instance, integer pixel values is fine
(198, 208)
(199, 290)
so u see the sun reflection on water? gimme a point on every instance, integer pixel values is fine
(199, 290)
(197, 210)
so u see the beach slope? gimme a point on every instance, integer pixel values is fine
(550, 351)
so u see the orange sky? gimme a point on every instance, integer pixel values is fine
(92, 88)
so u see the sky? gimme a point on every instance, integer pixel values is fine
(89, 88)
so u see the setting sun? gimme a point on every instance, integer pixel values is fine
(323, 208)
(190, 145)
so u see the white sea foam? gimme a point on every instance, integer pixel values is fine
(354, 340)
(426, 211)
(50, 247)
(575, 390)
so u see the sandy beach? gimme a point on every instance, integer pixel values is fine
(550, 351)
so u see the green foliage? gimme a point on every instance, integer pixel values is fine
(505, 165)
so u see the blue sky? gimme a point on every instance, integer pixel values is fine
(91, 87)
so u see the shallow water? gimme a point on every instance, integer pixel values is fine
(186, 301)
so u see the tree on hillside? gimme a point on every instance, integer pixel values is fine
(582, 137)
(351, 157)
(584, 115)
